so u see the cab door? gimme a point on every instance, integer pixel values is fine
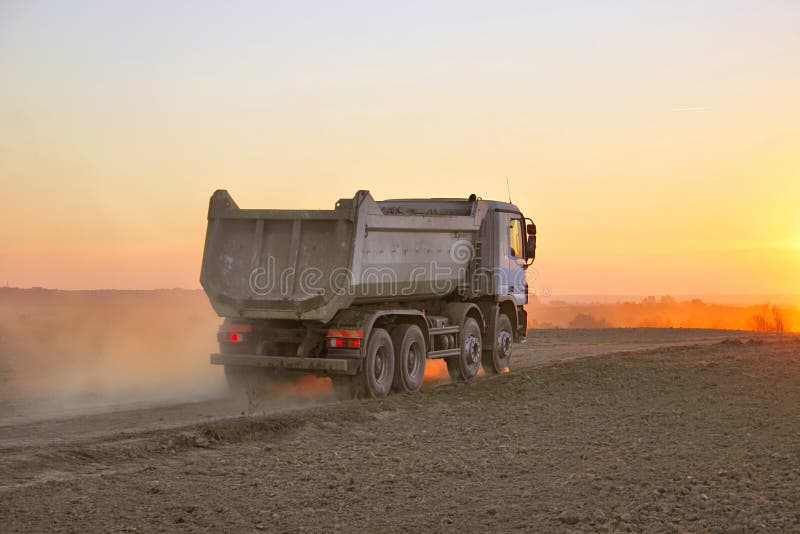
(512, 256)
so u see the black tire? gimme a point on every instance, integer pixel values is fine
(465, 366)
(409, 358)
(374, 379)
(496, 360)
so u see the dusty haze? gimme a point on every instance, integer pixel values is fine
(96, 347)
(81, 349)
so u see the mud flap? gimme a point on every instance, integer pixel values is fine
(490, 311)
(522, 324)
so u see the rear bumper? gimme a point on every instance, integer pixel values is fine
(346, 366)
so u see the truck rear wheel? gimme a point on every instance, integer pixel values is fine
(465, 366)
(409, 358)
(375, 377)
(497, 359)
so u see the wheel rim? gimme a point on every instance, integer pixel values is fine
(472, 346)
(504, 342)
(381, 367)
(413, 359)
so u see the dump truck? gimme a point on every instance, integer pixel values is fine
(369, 291)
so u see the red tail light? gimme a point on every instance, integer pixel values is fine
(230, 337)
(344, 343)
(234, 332)
(344, 339)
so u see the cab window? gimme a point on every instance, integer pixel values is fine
(515, 238)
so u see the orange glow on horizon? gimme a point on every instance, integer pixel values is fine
(666, 312)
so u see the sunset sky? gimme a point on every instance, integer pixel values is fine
(656, 145)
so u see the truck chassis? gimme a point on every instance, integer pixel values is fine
(370, 352)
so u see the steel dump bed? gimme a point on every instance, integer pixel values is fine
(310, 264)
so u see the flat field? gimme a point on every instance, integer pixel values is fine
(610, 430)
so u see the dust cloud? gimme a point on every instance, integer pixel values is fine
(84, 350)
(68, 349)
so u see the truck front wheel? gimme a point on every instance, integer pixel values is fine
(465, 366)
(498, 358)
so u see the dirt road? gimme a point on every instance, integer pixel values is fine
(32, 421)
(682, 432)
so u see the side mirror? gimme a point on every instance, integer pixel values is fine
(530, 248)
